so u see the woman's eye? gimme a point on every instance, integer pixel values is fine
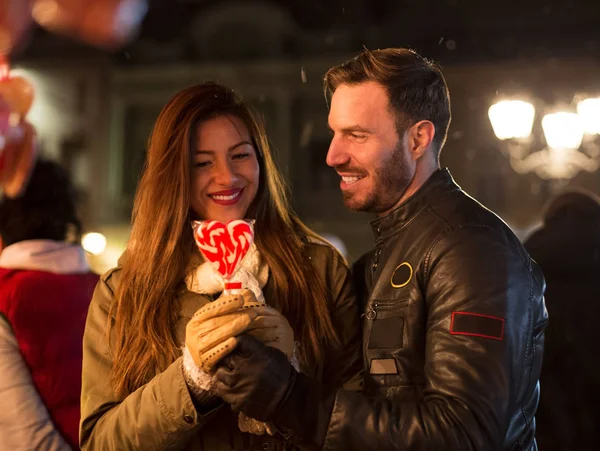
(202, 164)
(241, 156)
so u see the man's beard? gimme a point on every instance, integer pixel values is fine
(390, 180)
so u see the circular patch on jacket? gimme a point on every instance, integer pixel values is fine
(402, 275)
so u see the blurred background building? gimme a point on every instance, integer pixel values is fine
(94, 110)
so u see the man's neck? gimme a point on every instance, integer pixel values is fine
(422, 174)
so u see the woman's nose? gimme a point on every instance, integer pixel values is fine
(224, 174)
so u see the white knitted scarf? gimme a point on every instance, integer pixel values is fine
(253, 274)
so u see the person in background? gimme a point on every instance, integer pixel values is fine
(45, 291)
(567, 247)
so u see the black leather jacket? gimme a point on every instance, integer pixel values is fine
(453, 332)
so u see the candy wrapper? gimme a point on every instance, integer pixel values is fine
(225, 246)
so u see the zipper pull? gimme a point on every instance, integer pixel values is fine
(372, 313)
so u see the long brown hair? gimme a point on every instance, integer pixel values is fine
(162, 246)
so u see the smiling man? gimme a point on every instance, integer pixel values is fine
(454, 313)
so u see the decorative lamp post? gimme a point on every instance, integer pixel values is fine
(572, 143)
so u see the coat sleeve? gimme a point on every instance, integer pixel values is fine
(343, 366)
(473, 369)
(24, 420)
(158, 416)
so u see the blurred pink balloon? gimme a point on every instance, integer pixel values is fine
(16, 91)
(103, 23)
(15, 20)
(18, 151)
(17, 137)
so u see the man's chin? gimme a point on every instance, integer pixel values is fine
(357, 205)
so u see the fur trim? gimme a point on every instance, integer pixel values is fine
(198, 380)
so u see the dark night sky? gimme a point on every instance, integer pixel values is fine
(480, 29)
(480, 26)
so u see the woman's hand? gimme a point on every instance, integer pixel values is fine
(212, 332)
(273, 329)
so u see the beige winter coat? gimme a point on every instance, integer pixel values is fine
(160, 415)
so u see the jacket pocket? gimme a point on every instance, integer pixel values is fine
(387, 324)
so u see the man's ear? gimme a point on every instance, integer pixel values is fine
(420, 138)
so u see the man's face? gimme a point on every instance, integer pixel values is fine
(366, 150)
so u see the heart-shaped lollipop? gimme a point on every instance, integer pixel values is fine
(224, 245)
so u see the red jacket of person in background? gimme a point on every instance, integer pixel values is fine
(46, 307)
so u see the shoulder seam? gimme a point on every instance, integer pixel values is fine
(106, 279)
(446, 232)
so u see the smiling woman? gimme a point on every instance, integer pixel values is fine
(208, 159)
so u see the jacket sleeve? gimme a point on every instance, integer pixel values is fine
(343, 365)
(158, 416)
(471, 368)
(24, 420)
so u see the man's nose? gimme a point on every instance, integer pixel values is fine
(336, 155)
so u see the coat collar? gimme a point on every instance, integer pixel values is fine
(388, 225)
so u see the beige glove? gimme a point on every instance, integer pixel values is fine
(273, 329)
(211, 333)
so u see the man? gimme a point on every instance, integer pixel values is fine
(454, 319)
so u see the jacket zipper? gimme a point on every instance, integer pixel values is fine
(372, 313)
(373, 308)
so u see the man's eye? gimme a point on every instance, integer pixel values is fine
(358, 136)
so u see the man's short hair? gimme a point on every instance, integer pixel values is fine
(415, 86)
(46, 210)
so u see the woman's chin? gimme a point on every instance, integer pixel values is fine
(226, 217)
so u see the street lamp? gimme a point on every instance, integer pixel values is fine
(571, 138)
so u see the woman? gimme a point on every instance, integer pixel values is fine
(208, 159)
(45, 290)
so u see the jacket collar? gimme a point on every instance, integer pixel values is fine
(388, 225)
(56, 257)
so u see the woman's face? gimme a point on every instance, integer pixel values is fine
(226, 172)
